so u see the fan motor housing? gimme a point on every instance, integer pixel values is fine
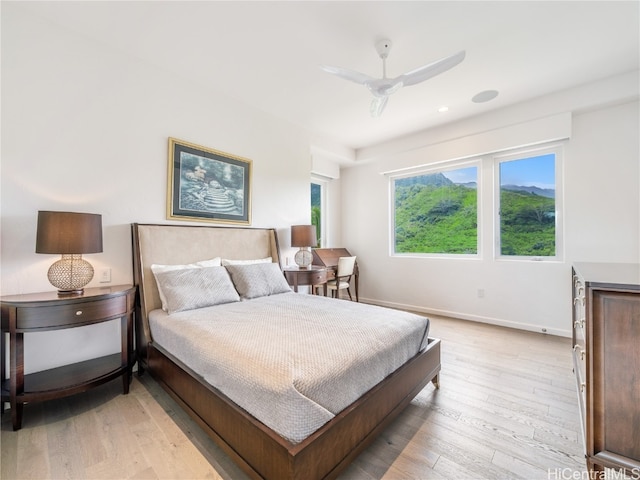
(383, 47)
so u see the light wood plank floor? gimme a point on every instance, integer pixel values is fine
(506, 409)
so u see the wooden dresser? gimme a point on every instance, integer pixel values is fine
(606, 358)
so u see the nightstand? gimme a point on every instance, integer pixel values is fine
(41, 312)
(314, 275)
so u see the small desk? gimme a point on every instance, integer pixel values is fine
(314, 275)
(328, 257)
(38, 312)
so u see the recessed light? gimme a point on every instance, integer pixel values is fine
(485, 96)
(443, 109)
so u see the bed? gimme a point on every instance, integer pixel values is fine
(262, 447)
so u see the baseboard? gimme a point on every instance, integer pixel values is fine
(473, 318)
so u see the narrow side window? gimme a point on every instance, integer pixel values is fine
(317, 202)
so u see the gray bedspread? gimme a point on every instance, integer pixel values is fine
(293, 361)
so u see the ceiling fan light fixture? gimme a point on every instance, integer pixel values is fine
(484, 96)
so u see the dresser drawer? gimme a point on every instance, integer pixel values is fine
(67, 315)
(579, 345)
(581, 384)
(579, 299)
(580, 360)
(579, 336)
(579, 315)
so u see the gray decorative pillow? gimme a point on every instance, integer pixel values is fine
(155, 268)
(186, 289)
(258, 280)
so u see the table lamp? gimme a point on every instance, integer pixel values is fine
(69, 234)
(303, 236)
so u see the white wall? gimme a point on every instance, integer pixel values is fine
(85, 128)
(603, 186)
(601, 215)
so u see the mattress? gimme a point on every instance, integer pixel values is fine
(293, 361)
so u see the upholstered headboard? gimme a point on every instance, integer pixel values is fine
(183, 244)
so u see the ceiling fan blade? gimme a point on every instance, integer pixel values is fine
(351, 75)
(377, 105)
(431, 70)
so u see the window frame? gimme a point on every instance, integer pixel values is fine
(440, 167)
(521, 154)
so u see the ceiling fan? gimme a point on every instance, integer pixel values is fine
(381, 88)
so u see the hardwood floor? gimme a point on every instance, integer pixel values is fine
(506, 409)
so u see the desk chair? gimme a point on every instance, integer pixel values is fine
(343, 277)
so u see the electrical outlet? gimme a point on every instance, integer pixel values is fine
(105, 275)
(481, 293)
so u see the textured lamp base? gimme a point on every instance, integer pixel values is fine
(303, 258)
(70, 274)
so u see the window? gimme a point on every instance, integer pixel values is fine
(436, 211)
(317, 200)
(528, 199)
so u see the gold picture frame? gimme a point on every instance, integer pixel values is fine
(207, 185)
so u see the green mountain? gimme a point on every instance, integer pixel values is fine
(431, 179)
(436, 218)
(434, 215)
(527, 222)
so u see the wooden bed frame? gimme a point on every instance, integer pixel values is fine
(257, 449)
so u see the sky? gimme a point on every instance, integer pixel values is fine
(462, 175)
(538, 171)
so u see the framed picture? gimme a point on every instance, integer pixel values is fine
(207, 185)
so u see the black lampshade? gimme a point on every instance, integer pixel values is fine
(69, 233)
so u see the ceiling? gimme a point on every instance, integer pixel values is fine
(267, 54)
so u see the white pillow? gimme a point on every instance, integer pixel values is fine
(156, 268)
(226, 261)
(258, 280)
(190, 288)
(214, 262)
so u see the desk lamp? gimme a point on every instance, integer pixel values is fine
(303, 236)
(71, 235)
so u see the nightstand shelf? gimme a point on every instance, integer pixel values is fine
(67, 380)
(41, 312)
